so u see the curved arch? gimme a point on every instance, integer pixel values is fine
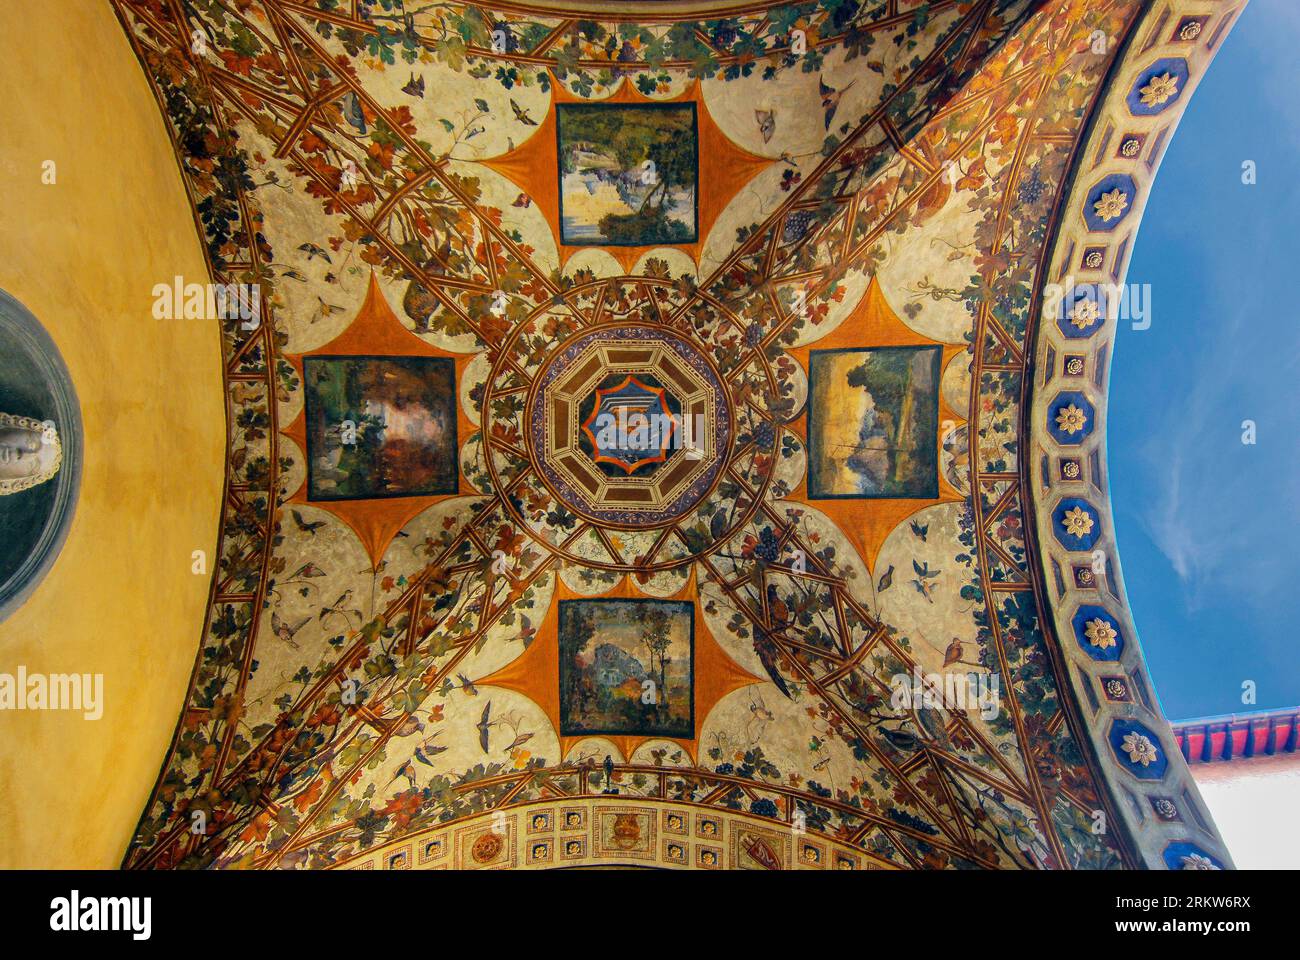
(1081, 300)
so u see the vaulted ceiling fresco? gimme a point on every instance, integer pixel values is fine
(636, 453)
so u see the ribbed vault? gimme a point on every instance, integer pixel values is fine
(433, 646)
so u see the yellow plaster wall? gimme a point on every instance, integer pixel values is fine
(83, 256)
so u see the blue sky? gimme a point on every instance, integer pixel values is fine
(1209, 528)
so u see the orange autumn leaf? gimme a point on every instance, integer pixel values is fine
(303, 802)
(1004, 129)
(258, 829)
(237, 62)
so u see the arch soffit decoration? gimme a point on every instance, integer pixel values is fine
(1129, 132)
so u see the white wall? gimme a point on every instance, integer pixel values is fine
(1256, 805)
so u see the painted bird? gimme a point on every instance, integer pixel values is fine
(899, 739)
(304, 526)
(521, 114)
(337, 607)
(344, 597)
(411, 725)
(325, 309)
(765, 647)
(467, 685)
(313, 251)
(918, 530)
(924, 575)
(759, 718)
(778, 612)
(831, 98)
(353, 113)
(429, 749)
(414, 87)
(953, 653)
(766, 123)
(405, 770)
(484, 727)
(286, 632)
(886, 579)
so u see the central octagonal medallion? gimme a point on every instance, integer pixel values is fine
(629, 424)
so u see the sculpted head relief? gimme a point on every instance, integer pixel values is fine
(30, 453)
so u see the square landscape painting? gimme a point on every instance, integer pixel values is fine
(628, 173)
(627, 667)
(380, 427)
(873, 422)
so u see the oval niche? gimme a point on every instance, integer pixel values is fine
(40, 453)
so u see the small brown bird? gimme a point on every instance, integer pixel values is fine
(334, 607)
(766, 123)
(325, 309)
(406, 770)
(286, 632)
(521, 114)
(409, 726)
(304, 526)
(953, 653)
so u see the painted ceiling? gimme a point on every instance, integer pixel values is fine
(637, 402)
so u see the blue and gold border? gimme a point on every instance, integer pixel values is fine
(1138, 757)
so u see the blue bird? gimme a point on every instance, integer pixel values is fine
(353, 113)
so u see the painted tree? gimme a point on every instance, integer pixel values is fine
(653, 146)
(578, 630)
(656, 637)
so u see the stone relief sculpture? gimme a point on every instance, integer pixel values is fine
(30, 453)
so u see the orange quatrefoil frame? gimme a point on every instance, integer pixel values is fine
(536, 672)
(376, 331)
